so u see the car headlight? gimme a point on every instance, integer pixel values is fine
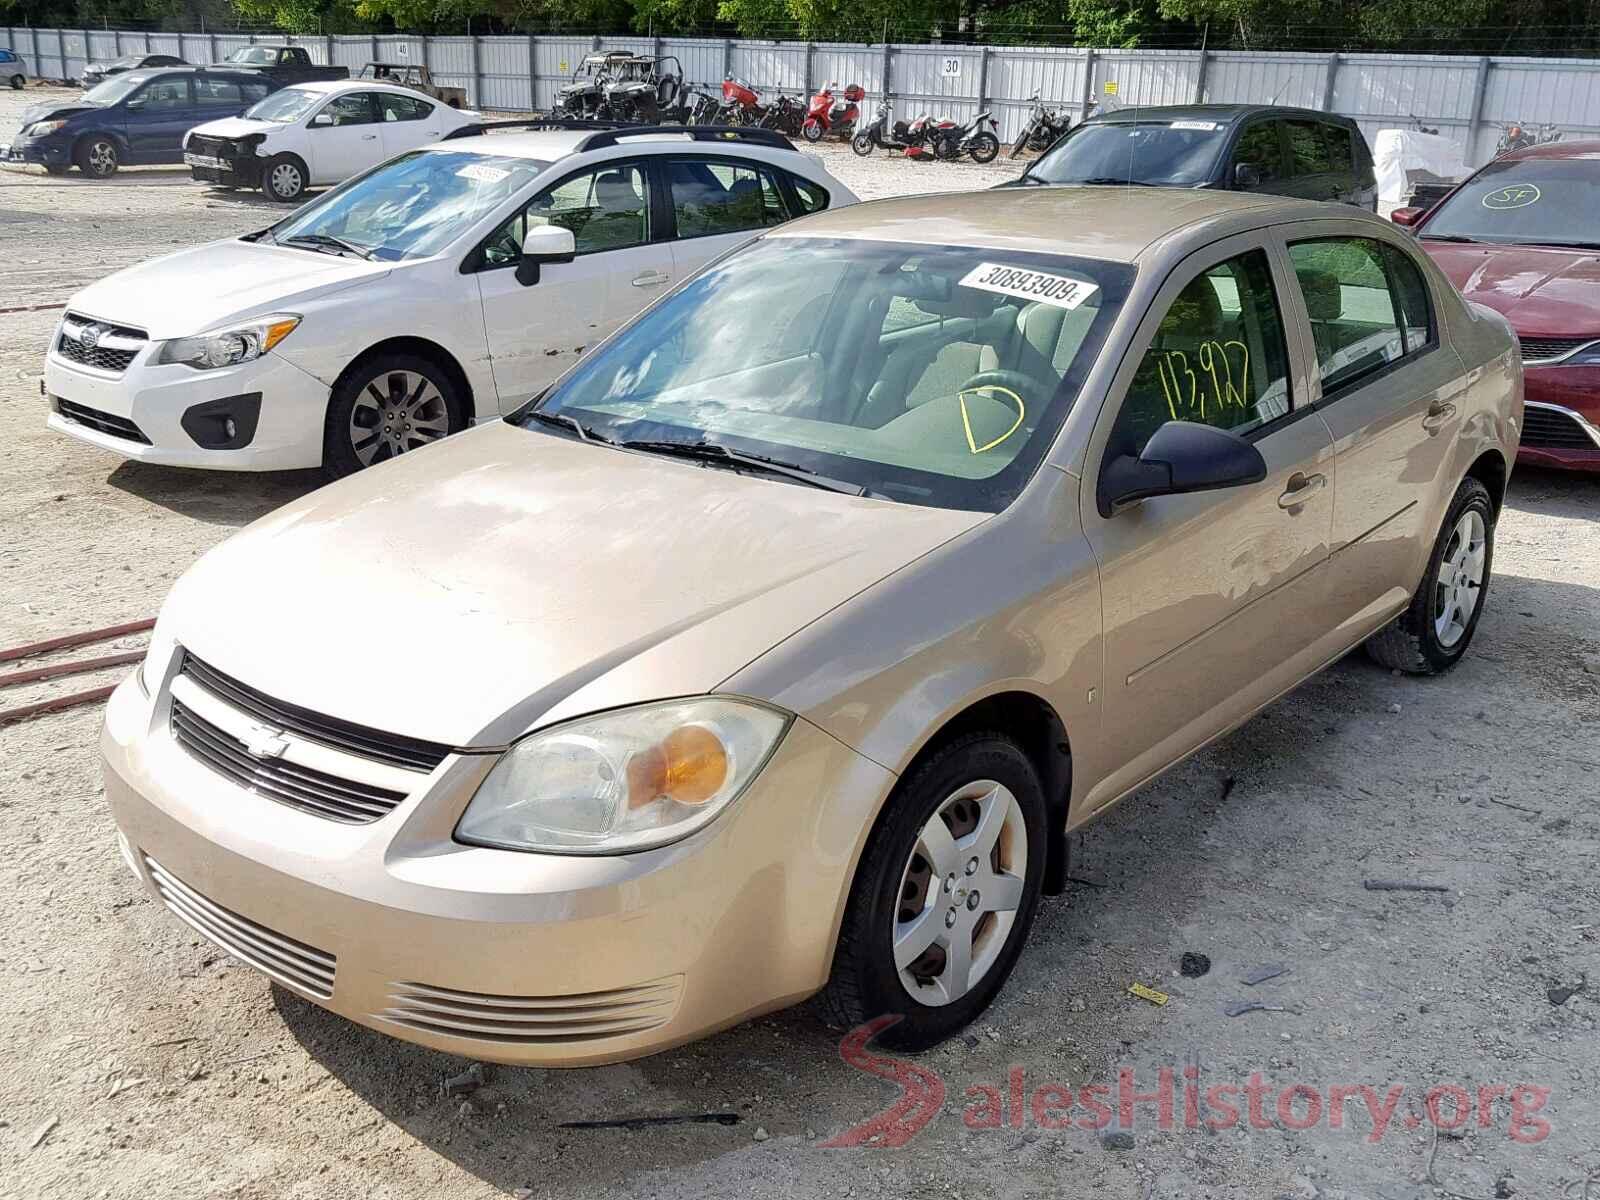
(623, 781)
(231, 346)
(1589, 356)
(45, 128)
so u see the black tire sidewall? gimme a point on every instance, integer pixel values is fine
(338, 455)
(985, 148)
(877, 885)
(271, 165)
(1470, 495)
(18, 82)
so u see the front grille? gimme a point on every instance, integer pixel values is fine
(1537, 350)
(293, 963)
(412, 753)
(105, 422)
(212, 147)
(526, 1020)
(348, 801)
(98, 345)
(1552, 429)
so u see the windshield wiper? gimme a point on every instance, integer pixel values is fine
(1565, 245)
(713, 454)
(328, 241)
(1445, 237)
(1117, 179)
(567, 421)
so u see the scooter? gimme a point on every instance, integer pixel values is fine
(1043, 128)
(980, 140)
(826, 115)
(910, 139)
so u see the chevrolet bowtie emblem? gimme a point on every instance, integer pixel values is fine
(265, 742)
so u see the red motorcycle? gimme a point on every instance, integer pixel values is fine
(740, 104)
(827, 114)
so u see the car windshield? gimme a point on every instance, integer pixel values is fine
(1537, 201)
(285, 106)
(924, 374)
(113, 90)
(254, 56)
(411, 206)
(1170, 153)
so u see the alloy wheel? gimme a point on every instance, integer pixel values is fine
(959, 893)
(103, 158)
(1460, 579)
(395, 412)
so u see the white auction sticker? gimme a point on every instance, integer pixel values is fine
(482, 173)
(1061, 291)
(1203, 126)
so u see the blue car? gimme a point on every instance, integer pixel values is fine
(11, 69)
(136, 118)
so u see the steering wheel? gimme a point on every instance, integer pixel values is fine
(1024, 388)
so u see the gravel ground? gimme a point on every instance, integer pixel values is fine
(144, 1063)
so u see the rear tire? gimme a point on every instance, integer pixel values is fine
(1433, 633)
(970, 820)
(383, 407)
(17, 82)
(97, 157)
(283, 178)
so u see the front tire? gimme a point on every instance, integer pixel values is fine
(812, 130)
(385, 406)
(984, 147)
(283, 178)
(97, 157)
(861, 144)
(17, 82)
(1022, 141)
(944, 895)
(1433, 633)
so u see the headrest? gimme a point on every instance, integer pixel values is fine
(612, 190)
(1324, 296)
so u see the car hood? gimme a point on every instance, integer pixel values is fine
(509, 577)
(234, 127)
(54, 108)
(207, 285)
(1543, 292)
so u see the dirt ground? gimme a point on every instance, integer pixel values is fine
(145, 1063)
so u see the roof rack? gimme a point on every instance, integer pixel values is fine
(699, 133)
(534, 123)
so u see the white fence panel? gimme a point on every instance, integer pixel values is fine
(1145, 77)
(1543, 91)
(557, 59)
(1239, 77)
(937, 75)
(770, 66)
(351, 52)
(1392, 88)
(699, 58)
(191, 47)
(452, 60)
(504, 70)
(73, 53)
(845, 64)
(102, 45)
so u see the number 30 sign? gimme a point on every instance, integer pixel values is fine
(950, 67)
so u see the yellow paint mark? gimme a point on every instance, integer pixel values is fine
(966, 421)
(1150, 994)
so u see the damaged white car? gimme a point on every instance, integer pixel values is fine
(446, 286)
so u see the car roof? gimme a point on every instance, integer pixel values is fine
(1587, 148)
(552, 144)
(1112, 223)
(332, 86)
(1222, 114)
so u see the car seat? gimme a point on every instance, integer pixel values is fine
(616, 215)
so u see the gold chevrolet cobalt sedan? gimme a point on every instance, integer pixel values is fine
(776, 648)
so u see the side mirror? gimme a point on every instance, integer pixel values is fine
(322, 120)
(544, 244)
(1408, 216)
(1246, 175)
(1181, 457)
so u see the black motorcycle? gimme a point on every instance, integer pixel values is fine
(1043, 128)
(786, 115)
(979, 140)
(700, 106)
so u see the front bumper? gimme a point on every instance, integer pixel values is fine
(1561, 427)
(536, 959)
(50, 151)
(243, 171)
(166, 405)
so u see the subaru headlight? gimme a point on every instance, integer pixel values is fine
(623, 781)
(231, 346)
(44, 128)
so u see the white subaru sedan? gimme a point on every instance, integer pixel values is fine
(316, 135)
(445, 286)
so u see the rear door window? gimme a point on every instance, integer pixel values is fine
(404, 108)
(711, 198)
(1308, 154)
(1353, 295)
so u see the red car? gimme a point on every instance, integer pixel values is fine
(1522, 237)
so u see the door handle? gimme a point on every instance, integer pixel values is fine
(1439, 412)
(1301, 489)
(651, 279)
(369, 137)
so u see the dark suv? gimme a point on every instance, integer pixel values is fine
(1240, 147)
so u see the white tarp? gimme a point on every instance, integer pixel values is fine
(1397, 151)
